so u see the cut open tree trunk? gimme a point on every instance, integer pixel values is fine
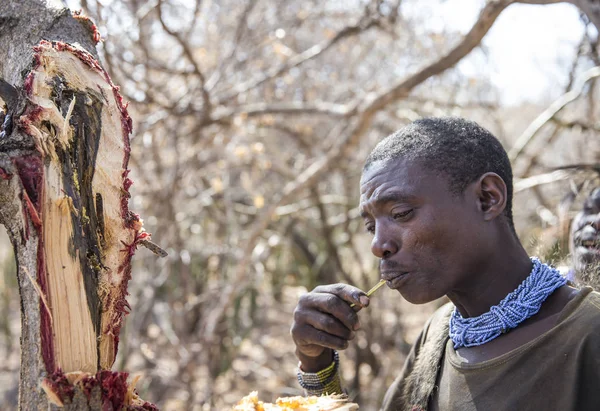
(64, 191)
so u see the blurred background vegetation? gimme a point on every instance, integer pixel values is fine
(252, 119)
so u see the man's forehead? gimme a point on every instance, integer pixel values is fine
(388, 166)
(399, 181)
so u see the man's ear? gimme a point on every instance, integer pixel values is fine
(491, 194)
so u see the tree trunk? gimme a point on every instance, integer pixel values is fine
(64, 151)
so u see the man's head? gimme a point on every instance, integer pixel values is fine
(436, 197)
(457, 148)
(585, 240)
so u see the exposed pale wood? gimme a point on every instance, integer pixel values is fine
(74, 335)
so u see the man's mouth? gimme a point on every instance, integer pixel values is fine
(587, 249)
(393, 278)
(590, 244)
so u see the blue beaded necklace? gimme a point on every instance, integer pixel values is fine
(515, 308)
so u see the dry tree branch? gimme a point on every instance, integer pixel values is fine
(190, 55)
(548, 139)
(539, 2)
(576, 123)
(327, 232)
(196, 14)
(239, 32)
(528, 135)
(534, 181)
(293, 107)
(400, 90)
(299, 59)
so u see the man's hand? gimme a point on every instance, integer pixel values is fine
(324, 321)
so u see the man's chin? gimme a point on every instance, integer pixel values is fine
(419, 298)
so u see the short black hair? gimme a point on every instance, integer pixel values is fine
(459, 148)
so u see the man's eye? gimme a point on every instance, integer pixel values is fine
(402, 215)
(370, 228)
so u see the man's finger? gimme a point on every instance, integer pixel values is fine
(327, 323)
(330, 304)
(309, 336)
(348, 293)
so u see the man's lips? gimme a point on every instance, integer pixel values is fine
(390, 275)
(392, 272)
(394, 279)
(592, 242)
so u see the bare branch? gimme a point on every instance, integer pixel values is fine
(241, 29)
(293, 107)
(327, 232)
(576, 123)
(300, 59)
(540, 2)
(595, 168)
(155, 248)
(528, 135)
(534, 181)
(189, 54)
(486, 19)
(190, 30)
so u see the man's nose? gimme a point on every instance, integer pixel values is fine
(384, 245)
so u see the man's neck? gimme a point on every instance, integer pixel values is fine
(501, 274)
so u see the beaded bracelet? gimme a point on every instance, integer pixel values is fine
(326, 381)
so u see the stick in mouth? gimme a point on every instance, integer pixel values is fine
(372, 290)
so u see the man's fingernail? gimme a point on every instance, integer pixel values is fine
(364, 300)
(356, 326)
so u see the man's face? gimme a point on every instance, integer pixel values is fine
(585, 234)
(429, 240)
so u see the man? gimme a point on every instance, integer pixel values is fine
(585, 242)
(436, 197)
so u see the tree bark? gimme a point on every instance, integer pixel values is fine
(64, 152)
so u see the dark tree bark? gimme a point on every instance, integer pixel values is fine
(64, 152)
